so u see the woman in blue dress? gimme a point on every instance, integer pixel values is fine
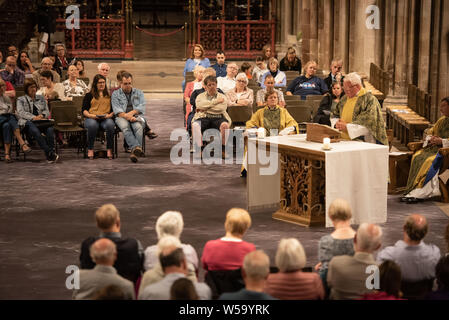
(196, 58)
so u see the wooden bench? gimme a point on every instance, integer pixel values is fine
(411, 120)
(378, 83)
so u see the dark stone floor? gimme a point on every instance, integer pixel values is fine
(47, 210)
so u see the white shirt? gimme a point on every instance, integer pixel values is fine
(225, 83)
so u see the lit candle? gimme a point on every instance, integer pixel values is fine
(326, 144)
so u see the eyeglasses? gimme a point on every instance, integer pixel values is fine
(241, 81)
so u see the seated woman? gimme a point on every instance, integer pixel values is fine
(247, 69)
(98, 112)
(269, 86)
(241, 95)
(24, 64)
(307, 84)
(273, 117)
(291, 283)
(280, 79)
(422, 180)
(267, 53)
(192, 86)
(228, 252)
(291, 62)
(50, 90)
(170, 223)
(197, 58)
(80, 66)
(9, 125)
(340, 242)
(259, 70)
(32, 109)
(328, 104)
(74, 87)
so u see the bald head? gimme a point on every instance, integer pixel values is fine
(368, 238)
(103, 251)
(416, 227)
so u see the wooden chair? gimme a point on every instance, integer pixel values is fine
(66, 122)
(300, 113)
(240, 114)
(398, 166)
(312, 97)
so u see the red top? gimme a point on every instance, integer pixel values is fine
(9, 86)
(225, 255)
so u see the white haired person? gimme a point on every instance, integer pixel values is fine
(241, 95)
(347, 276)
(104, 254)
(103, 69)
(358, 115)
(62, 62)
(170, 223)
(291, 283)
(155, 273)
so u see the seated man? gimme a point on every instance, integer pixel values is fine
(255, 271)
(103, 69)
(269, 86)
(335, 74)
(346, 276)
(174, 264)
(228, 83)
(210, 113)
(128, 104)
(422, 180)
(104, 253)
(46, 65)
(129, 262)
(220, 67)
(358, 114)
(12, 73)
(416, 259)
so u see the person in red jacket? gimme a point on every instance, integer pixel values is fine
(228, 252)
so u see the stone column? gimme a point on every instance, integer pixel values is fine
(325, 33)
(361, 39)
(341, 31)
(424, 45)
(400, 80)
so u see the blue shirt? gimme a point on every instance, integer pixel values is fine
(303, 86)
(190, 65)
(417, 262)
(220, 69)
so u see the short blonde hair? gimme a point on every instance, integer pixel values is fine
(290, 255)
(197, 69)
(238, 221)
(308, 64)
(169, 223)
(209, 72)
(256, 265)
(106, 216)
(340, 210)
